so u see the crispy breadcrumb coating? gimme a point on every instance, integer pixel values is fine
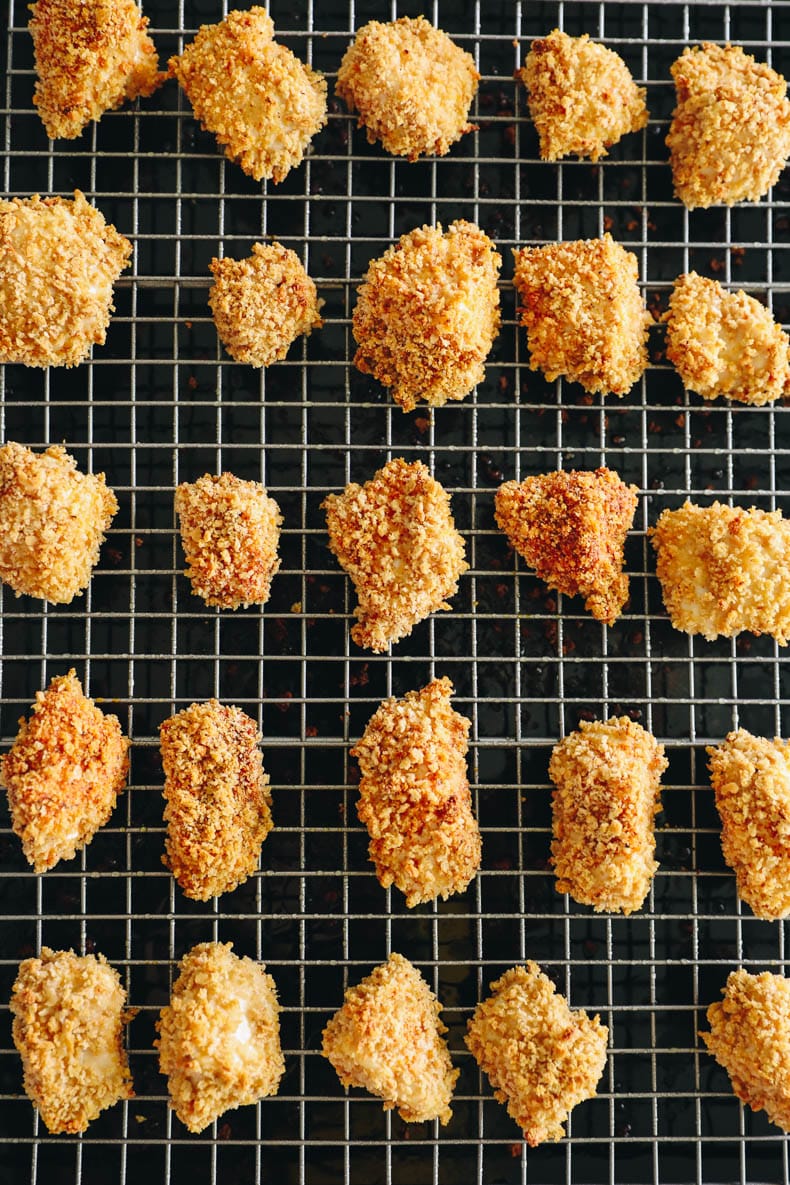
(570, 526)
(52, 522)
(68, 1027)
(59, 260)
(387, 1039)
(396, 539)
(428, 313)
(261, 102)
(581, 95)
(724, 569)
(583, 313)
(730, 133)
(411, 86)
(541, 1057)
(219, 1037)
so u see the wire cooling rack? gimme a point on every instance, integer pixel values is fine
(161, 403)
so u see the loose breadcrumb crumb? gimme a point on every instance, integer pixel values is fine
(387, 1039)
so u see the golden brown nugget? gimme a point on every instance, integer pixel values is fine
(428, 313)
(59, 260)
(387, 1039)
(69, 1018)
(219, 1037)
(411, 86)
(52, 522)
(583, 313)
(396, 538)
(724, 569)
(608, 786)
(414, 795)
(730, 133)
(261, 102)
(218, 801)
(571, 526)
(541, 1057)
(581, 95)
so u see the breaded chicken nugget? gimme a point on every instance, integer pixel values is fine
(219, 1037)
(52, 522)
(396, 539)
(387, 1039)
(583, 313)
(428, 313)
(724, 569)
(68, 1027)
(411, 86)
(59, 260)
(730, 133)
(90, 56)
(582, 97)
(571, 528)
(414, 795)
(263, 105)
(218, 801)
(541, 1057)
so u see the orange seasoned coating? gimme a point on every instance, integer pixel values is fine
(387, 1039)
(411, 86)
(59, 260)
(583, 313)
(396, 539)
(428, 313)
(218, 798)
(730, 133)
(607, 779)
(581, 95)
(69, 1018)
(570, 526)
(219, 1037)
(541, 1057)
(261, 102)
(414, 795)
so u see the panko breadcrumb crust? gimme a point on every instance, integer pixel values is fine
(219, 1037)
(581, 96)
(261, 102)
(541, 1057)
(387, 1039)
(396, 538)
(730, 133)
(59, 260)
(411, 86)
(571, 526)
(68, 1027)
(583, 312)
(724, 569)
(414, 795)
(427, 314)
(218, 801)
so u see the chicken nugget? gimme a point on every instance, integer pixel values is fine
(387, 1039)
(724, 569)
(428, 313)
(59, 260)
(219, 1037)
(69, 1018)
(414, 795)
(411, 86)
(583, 313)
(581, 95)
(541, 1057)
(570, 526)
(261, 102)
(396, 539)
(730, 133)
